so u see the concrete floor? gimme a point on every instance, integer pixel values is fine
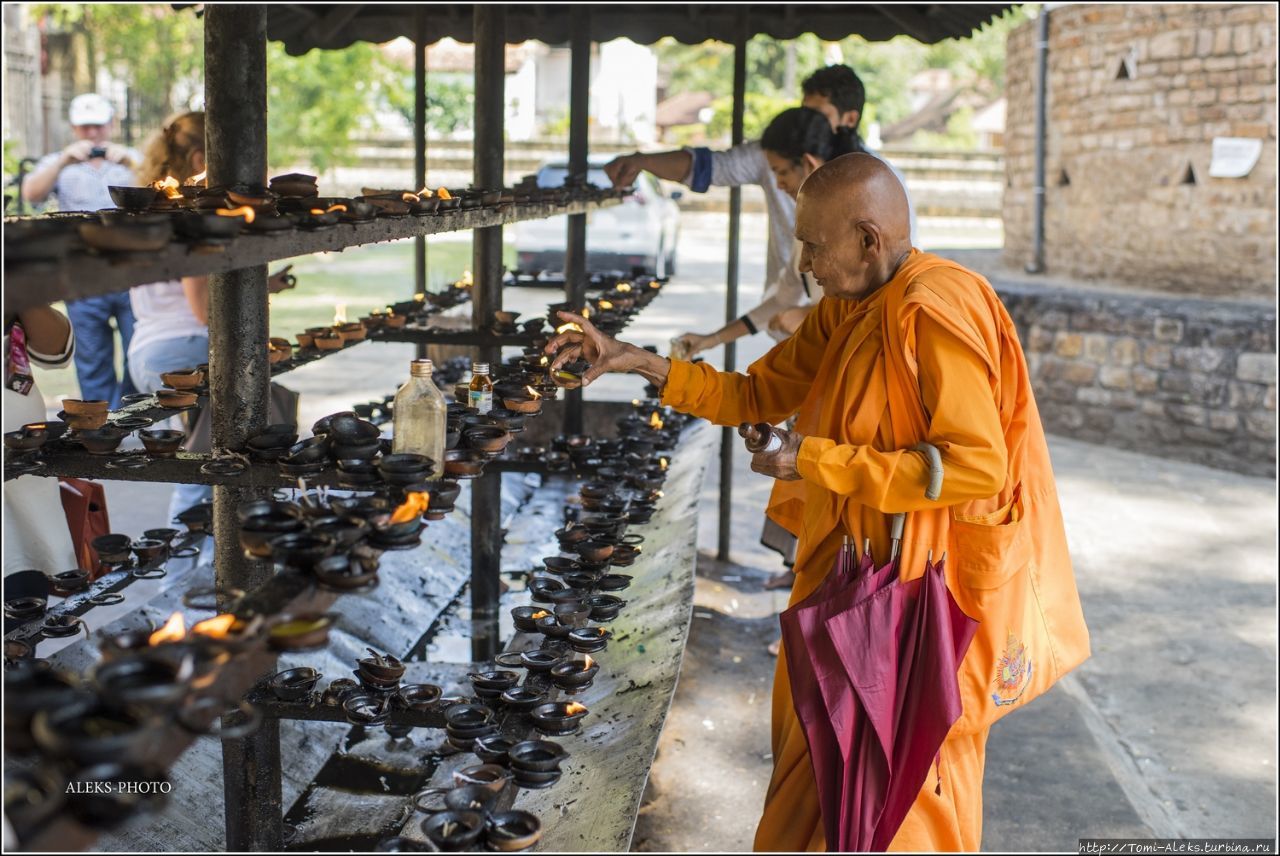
(1170, 728)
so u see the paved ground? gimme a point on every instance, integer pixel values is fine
(1169, 729)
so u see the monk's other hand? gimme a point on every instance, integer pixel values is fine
(604, 353)
(788, 321)
(782, 463)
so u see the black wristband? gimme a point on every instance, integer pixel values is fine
(745, 319)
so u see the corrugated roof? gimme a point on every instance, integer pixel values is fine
(303, 26)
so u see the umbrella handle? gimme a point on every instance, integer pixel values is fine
(931, 453)
(895, 534)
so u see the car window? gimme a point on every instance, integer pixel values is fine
(554, 175)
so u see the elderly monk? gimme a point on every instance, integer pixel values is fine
(904, 347)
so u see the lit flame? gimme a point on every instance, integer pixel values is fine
(169, 185)
(574, 708)
(444, 193)
(543, 361)
(623, 287)
(569, 325)
(541, 613)
(410, 197)
(586, 312)
(655, 284)
(425, 192)
(340, 314)
(533, 393)
(336, 207)
(174, 630)
(217, 627)
(604, 304)
(662, 463)
(198, 178)
(655, 421)
(414, 505)
(420, 297)
(317, 211)
(243, 211)
(635, 402)
(588, 663)
(466, 280)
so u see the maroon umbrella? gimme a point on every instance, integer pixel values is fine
(820, 690)
(873, 664)
(907, 690)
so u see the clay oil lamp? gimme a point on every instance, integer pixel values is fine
(511, 420)
(328, 341)
(17, 651)
(574, 675)
(604, 527)
(295, 184)
(78, 407)
(403, 527)
(405, 468)
(126, 237)
(83, 422)
(25, 441)
(559, 565)
(340, 573)
(594, 550)
(102, 441)
(226, 633)
(30, 798)
(470, 798)
(319, 218)
(300, 632)
(589, 640)
(92, 732)
(464, 463)
(68, 583)
(539, 660)
(525, 617)
(400, 844)
(558, 718)
(490, 776)
(557, 462)
(161, 443)
(294, 684)
(133, 199)
(624, 555)
(112, 548)
(581, 580)
(175, 399)
(512, 831)
(149, 550)
(24, 609)
(365, 709)
(535, 764)
(61, 626)
(30, 687)
(153, 677)
(491, 439)
(442, 496)
(492, 749)
(383, 667)
(465, 722)
(346, 532)
(605, 607)
(338, 691)
(256, 533)
(522, 699)
(453, 831)
(530, 453)
(505, 321)
(419, 697)
(613, 582)
(389, 204)
(52, 428)
(572, 613)
(541, 589)
(395, 321)
(492, 684)
(571, 535)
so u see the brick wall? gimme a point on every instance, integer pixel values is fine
(1191, 379)
(1118, 150)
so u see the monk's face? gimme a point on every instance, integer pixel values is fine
(832, 247)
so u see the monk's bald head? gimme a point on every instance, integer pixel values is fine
(853, 218)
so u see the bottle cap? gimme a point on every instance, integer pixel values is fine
(479, 368)
(420, 368)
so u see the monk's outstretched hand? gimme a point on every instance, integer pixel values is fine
(604, 353)
(782, 463)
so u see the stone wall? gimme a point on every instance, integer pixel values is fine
(1182, 378)
(1122, 151)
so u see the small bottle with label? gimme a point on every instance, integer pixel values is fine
(420, 417)
(480, 395)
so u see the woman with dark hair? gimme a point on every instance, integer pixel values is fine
(797, 142)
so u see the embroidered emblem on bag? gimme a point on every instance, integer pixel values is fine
(1013, 672)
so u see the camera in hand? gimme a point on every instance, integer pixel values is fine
(98, 152)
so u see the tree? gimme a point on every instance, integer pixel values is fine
(450, 99)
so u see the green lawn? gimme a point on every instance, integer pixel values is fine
(361, 278)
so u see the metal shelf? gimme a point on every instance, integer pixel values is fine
(85, 275)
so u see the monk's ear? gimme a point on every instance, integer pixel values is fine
(870, 237)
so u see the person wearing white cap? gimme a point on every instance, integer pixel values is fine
(79, 176)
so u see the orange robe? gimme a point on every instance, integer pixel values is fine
(954, 338)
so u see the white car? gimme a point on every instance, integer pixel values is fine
(636, 236)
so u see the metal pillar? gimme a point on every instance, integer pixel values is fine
(575, 255)
(1036, 265)
(728, 436)
(486, 491)
(419, 139)
(235, 50)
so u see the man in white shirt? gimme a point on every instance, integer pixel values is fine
(79, 176)
(836, 92)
